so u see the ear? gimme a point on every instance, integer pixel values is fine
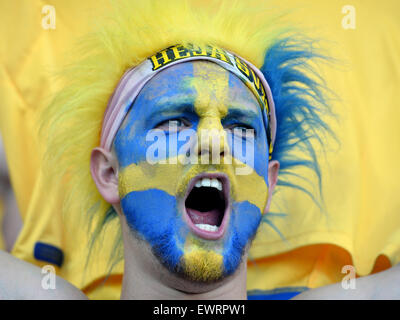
(104, 169)
(273, 171)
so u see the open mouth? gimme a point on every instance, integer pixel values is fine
(206, 205)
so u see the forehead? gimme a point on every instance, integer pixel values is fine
(189, 80)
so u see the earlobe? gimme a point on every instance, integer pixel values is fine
(104, 170)
(273, 172)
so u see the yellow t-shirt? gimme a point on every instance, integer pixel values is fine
(360, 175)
(361, 224)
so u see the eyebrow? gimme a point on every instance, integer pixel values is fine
(235, 112)
(175, 104)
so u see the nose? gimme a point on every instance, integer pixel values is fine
(212, 143)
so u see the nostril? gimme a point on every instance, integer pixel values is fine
(204, 152)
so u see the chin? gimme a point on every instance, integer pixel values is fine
(200, 272)
(203, 266)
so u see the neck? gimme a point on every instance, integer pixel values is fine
(144, 286)
(138, 288)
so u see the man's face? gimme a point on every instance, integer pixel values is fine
(197, 214)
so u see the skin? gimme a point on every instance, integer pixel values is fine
(201, 96)
(22, 280)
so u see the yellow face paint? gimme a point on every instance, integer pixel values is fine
(211, 83)
(201, 263)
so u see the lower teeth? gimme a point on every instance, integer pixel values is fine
(207, 227)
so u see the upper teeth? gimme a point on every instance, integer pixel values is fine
(206, 182)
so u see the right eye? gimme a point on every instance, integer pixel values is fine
(173, 125)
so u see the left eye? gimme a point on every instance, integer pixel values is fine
(173, 125)
(240, 128)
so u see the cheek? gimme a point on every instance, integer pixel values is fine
(245, 220)
(153, 215)
(146, 215)
(145, 176)
(251, 171)
(252, 186)
(148, 159)
(252, 151)
(261, 158)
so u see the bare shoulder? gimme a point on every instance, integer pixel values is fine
(22, 280)
(382, 285)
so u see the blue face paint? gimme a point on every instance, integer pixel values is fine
(160, 228)
(243, 227)
(153, 196)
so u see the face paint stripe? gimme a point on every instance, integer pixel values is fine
(212, 86)
(158, 176)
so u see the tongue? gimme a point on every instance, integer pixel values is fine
(208, 217)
